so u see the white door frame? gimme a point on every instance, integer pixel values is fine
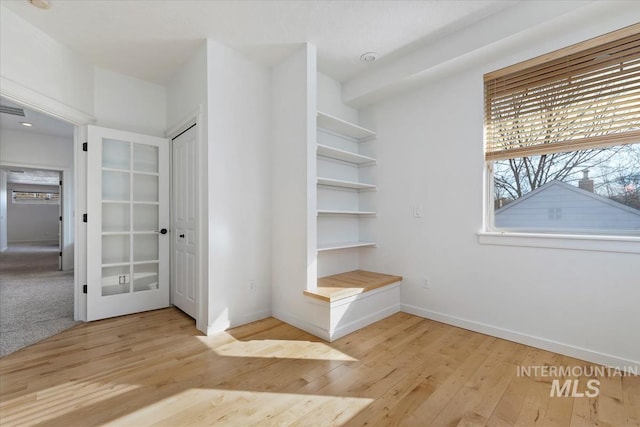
(44, 104)
(66, 237)
(195, 118)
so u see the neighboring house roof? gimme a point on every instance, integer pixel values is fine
(577, 208)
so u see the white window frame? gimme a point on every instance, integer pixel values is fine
(490, 235)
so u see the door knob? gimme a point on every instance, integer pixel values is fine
(162, 231)
(182, 236)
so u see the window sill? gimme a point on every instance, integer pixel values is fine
(623, 244)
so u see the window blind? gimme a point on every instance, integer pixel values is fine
(584, 96)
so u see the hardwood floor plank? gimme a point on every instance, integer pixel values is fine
(483, 389)
(611, 401)
(399, 402)
(631, 395)
(155, 368)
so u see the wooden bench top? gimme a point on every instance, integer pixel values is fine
(344, 285)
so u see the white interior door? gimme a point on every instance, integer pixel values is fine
(127, 220)
(185, 235)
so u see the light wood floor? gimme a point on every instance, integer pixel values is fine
(156, 369)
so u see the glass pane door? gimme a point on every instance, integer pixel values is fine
(129, 250)
(130, 202)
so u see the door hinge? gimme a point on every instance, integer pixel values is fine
(59, 182)
(84, 146)
(84, 217)
(60, 218)
(84, 289)
(60, 253)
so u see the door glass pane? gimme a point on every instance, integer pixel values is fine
(145, 277)
(115, 249)
(115, 186)
(115, 217)
(145, 247)
(115, 154)
(145, 158)
(145, 217)
(145, 188)
(116, 280)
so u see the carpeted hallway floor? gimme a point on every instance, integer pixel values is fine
(36, 300)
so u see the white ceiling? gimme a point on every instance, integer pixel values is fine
(150, 39)
(42, 124)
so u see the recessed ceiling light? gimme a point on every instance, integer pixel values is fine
(27, 124)
(369, 57)
(41, 4)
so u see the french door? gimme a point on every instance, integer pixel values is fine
(127, 219)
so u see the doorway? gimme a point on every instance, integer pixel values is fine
(184, 215)
(36, 226)
(31, 210)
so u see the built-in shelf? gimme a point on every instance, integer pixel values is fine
(344, 245)
(341, 127)
(345, 285)
(334, 212)
(345, 184)
(345, 156)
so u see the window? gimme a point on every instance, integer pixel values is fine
(562, 139)
(35, 198)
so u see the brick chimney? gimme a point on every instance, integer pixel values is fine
(586, 183)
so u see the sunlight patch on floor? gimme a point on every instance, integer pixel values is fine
(283, 349)
(53, 402)
(244, 408)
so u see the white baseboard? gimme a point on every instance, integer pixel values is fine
(301, 324)
(221, 326)
(533, 341)
(363, 321)
(339, 332)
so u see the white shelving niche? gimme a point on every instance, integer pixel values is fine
(346, 193)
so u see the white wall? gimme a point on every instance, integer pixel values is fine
(293, 192)
(130, 104)
(187, 89)
(32, 222)
(34, 61)
(329, 97)
(430, 153)
(239, 183)
(29, 149)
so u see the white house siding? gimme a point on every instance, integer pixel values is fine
(561, 206)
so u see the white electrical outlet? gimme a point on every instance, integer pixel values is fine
(425, 284)
(252, 285)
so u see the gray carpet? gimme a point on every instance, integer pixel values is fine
(36, 300)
